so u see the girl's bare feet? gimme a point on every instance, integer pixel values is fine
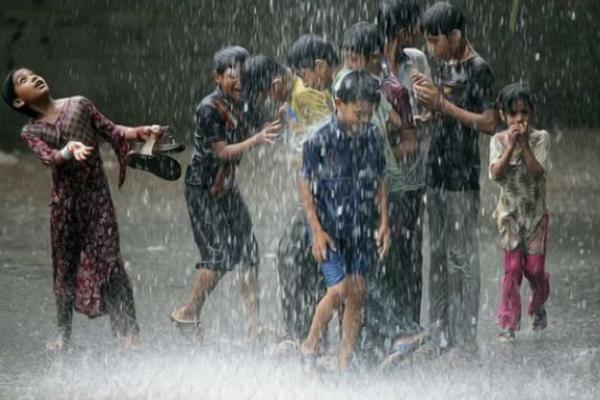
(59, 343)
(131, 341)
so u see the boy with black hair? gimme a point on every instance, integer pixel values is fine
(362, 48)
(313, 60)
(219, 216)
(344, 196)
(264, 79)
(397, 21)
(464, 102)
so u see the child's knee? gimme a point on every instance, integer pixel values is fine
(513, 262)
(535, 266)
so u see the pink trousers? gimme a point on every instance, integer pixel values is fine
(516, 264)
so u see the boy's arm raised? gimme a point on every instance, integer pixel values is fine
(431, 97)
(228, 152)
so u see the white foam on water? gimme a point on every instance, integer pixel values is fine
(222, 373)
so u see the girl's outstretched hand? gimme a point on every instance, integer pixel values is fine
(79, 150)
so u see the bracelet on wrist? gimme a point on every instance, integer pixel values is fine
(65, 153)
(441, 103)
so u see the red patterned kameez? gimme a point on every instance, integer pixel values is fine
(89, 275)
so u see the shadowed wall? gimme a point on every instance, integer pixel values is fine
(149, 60)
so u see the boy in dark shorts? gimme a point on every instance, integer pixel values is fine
(464, 103)
(344, 195)
(220, 219)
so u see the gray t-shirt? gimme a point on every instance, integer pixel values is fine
(413, 169)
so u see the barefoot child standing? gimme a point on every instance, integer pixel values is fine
(220, 219)
(519, 162)
(344, 196)
(88, 272)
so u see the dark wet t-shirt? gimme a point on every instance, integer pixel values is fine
(344, 172)
(453, 161)
(216, 120)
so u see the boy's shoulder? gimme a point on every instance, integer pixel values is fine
(213, 107)
(479, 65)
(323, 130)
(473, 67)
(210, 100)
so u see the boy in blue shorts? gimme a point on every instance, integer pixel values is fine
(343, 193)
(386, 316)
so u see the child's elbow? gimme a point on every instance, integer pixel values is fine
(494, 174)
(488, 123)
(539, 172)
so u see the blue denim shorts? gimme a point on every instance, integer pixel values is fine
(347, 259)
(333, 268)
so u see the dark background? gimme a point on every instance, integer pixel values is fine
(147, 61)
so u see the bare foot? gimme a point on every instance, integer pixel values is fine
(255, 332)
(57, 344)
(131, 341)
(181, 316)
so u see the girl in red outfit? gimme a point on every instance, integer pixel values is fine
(88, 271)
(519, 163)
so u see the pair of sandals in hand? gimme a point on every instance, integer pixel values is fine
(151, 156)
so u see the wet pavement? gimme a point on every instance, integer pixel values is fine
(157, 245)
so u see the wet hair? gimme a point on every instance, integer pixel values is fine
(308, 48)
(258, 74)
(9, 95)
(394, 15)
(442, 19)
(229, 57)
(363, 38)
(510, 94)
(358, 86)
